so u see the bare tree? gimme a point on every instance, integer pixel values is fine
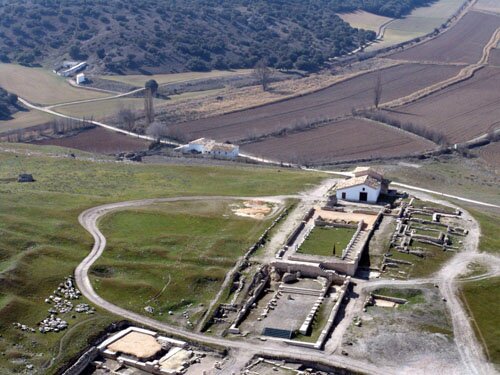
(377, 91)
(148, 106)
(263, 74)
(157, 130)
(126, 118)
(150, 90)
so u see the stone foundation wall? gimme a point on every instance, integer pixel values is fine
(83, 362)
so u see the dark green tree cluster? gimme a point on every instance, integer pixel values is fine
(197, 35)
(8, 103)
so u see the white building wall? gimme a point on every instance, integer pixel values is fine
(196, 147)
(352, 193)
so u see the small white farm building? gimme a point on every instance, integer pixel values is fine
(80, 78)
(210, 147)
(365, 186)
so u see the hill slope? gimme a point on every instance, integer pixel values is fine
(167, 36)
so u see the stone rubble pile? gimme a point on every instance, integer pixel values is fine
(52, 324)
(23, 327)
(84, 308)
(67, 289)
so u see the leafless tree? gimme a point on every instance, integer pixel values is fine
(126, 118)
(149, 110)
(263, 74)
(157, 130)
(377, 91)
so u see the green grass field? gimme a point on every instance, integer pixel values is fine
(481, 299)
(469, 178)
(23, 120)
(41, 241)
(41, 86)
(172, 256)
(489, 223)
(321, 241)
(140, 80)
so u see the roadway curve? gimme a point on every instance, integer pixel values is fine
(89, 219)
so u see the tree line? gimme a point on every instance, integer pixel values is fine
(196, 35)
(8, 104)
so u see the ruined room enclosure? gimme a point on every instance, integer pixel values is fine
(139, 351)
(283, 304)
(278, 366)
(425, 236)
(408, 328)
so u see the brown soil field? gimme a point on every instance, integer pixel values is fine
(494, 59)
(462, 111)
(463, 43)
(341, 141)
(491, 154)
(98, 140)
(332, 102)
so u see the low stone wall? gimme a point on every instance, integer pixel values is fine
(319, 222)
(311, 270)
(295, 234)
(353, 239)
(320, 343)
(83, 362)
(248, 304)
(388, 298)
(309, 215)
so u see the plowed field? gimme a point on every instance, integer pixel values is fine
(345, 140)
(462, 111)
(331, 102)
(98, 140)
(491, 153)
(463, 43)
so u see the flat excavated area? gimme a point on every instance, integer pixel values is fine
(137, 344)
(462, 111)
(463, 43)
(345, 140)
(332, 102)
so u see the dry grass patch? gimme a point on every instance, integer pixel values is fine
(139, 80)
(365, 20)
(41, 86)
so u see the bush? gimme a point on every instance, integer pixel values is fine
(197, 65)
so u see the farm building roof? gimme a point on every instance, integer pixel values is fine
(211, 145)
(367, 171)
(356, 181)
